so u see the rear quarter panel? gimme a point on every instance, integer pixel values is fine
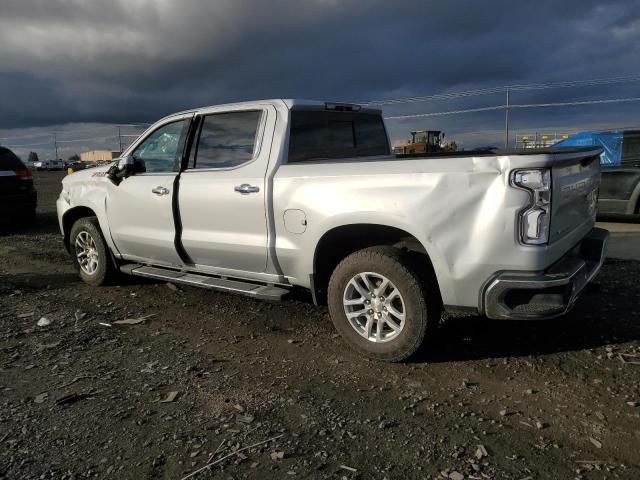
(462, 210)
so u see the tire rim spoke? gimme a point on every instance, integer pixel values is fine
(367, 283)
(368, 326)
(392, 310)
(379, 329)
(355, 301)
(359, 288)
(394, 326)
(383, 286)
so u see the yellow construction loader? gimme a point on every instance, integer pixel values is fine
(424, 141)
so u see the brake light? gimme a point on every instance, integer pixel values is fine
(342, 107)
(24, 174)
(535, 218)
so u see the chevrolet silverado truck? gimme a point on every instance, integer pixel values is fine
(261, 197)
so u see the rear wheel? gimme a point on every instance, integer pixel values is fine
(381, 305)
(90, 252)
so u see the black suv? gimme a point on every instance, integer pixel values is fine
(18, 197)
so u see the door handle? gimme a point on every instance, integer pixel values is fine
(246, 188)
(160, 190)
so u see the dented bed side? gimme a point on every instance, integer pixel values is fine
(463, 211)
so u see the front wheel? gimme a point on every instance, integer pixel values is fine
(90, 252)
(381, 305)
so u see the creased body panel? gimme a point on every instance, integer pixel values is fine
(462, 210)
(87, 188)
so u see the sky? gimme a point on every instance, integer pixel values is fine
(77, 67)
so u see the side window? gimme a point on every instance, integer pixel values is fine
(227, 139)
(162, 150)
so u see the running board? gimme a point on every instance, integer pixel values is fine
(254, 290)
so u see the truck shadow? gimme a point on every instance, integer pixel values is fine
(603, 315)
(46, 222)
(34, 282)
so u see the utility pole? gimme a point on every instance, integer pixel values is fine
(119, 140)
(55, 143)
(506, 122)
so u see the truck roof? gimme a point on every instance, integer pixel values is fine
(290, 103)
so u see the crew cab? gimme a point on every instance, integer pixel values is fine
(259, 197)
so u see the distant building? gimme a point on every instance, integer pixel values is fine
(99, 156)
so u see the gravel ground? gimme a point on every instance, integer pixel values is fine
(205, 376)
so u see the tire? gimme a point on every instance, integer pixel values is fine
(418, 297)
(86, 231)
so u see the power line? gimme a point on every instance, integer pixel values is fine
(27, 144)
(516, 105)
(450, 112)
(63, 132)
(569, 104)
(86, 139)
(62, 141)
(518, 87)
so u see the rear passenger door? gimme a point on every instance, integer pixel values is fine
(222, 191)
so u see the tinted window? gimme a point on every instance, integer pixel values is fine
(9, 160)
(320, 134)
(162, 150)
(227, 139)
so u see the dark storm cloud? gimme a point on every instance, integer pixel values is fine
(135, 60)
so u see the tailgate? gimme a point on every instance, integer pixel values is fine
(574, 196)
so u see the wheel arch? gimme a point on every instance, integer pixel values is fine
(70, 217)
(343, 240)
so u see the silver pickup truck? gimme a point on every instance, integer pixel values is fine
(257, 198)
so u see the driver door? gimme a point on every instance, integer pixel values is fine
(140, 208)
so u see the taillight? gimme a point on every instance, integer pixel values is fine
(535, 218)
(24, 174)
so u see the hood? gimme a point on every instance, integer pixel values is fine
(83, 176)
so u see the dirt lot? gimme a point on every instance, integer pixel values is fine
(85, 397)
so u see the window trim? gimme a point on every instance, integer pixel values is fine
(258, 139)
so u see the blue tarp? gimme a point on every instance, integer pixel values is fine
(611, 142)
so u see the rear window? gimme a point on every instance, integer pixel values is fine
(9, 160)
(321, 134)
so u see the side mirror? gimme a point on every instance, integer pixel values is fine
(122, 169)
(127, 165)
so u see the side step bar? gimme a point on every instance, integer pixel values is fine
(254, 290)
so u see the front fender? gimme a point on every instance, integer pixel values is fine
(78, 197)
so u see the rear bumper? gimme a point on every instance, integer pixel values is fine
(551, 293)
